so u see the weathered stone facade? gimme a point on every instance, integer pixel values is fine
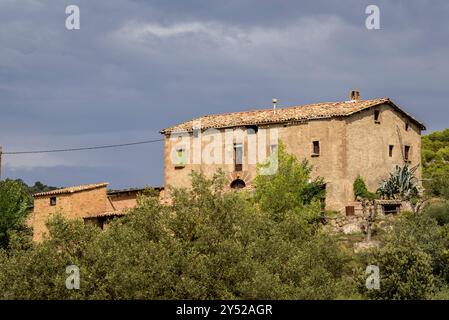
(74, 203)
(91, 203)
(369, 142)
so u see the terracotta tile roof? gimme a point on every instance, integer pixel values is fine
(112, 192)
(289, 114)
(106, 214)
(73, 189)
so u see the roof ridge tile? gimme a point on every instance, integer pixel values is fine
(320, 110)
(72, 189)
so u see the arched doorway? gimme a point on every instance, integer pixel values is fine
(238, 184)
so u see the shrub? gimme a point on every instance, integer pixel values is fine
(413, 261)
(360, 189)
(404, 273)
(438, 211)
(207, 244)
(14, 208)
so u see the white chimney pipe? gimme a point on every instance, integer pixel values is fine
(275, 101)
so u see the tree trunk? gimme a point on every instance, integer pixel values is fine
(371, 217)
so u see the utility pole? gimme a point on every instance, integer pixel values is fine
(1, 153)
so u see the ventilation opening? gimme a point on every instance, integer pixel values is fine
(376, 116)
(316, 148)
(390, 150)
(407, 153)
(252, 129)
(238, 184)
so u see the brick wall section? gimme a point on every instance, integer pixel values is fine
(71, 205)
(123, 202)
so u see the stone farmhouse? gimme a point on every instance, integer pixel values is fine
(92, 203)
(340, 139)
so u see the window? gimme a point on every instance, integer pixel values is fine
(407, 153)
(238, 157)
(180, 158)
(390, 150)
(251, 129)
(406, 126)
(316, 148)
(377, 116)
(52, 201)
(273, 148)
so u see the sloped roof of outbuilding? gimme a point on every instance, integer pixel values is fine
(73, 189)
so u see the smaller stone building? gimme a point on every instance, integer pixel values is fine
(91, 202)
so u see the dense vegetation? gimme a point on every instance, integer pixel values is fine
(361, 191)
(208, 244)
(39, 187)
(435, 161)
(14, 207)
(212, 244)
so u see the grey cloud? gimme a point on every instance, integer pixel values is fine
(138, 66)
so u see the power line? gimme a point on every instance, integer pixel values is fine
(84, 148)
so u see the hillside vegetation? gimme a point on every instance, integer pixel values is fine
(435, 161)
(212, 244)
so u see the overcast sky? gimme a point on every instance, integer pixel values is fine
(138, 66)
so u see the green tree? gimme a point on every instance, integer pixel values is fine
(14, 208)
(404, 274)
(40, 187)
(206, 244)
(412, 262)
(438, 211)
(291, 188)
(435, 161)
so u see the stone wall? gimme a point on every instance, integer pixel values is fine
(71, 205)
(353, 224)
(122, 202)
(349, 146)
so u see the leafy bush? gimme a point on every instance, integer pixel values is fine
(207, 244)
(412, 263)
(14, 209)
(438, 211)
(404, 273)
(361, 191)
(290, 189)
(435, 160)
(212, 244)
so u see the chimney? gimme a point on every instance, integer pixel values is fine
(354, 95)
(275, 101)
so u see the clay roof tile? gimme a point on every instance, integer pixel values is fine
(281, 115)
(73, 189)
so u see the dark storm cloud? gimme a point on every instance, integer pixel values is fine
(138, 66)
